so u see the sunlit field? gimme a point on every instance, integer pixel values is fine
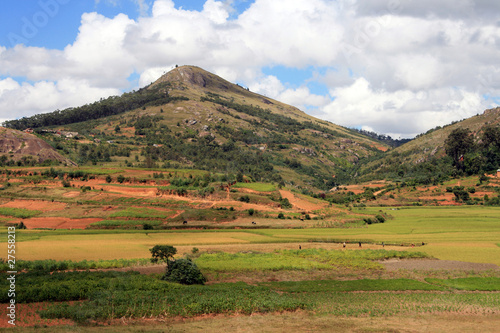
(459, 233)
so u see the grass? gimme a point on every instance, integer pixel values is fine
(53, 265)
(469, 283)
(457, 233)
(255, 262)
(299, 260)
(113, 295)
(21, 213)
(124, 223)
(260, 187)
(142, 213)
(353, 285)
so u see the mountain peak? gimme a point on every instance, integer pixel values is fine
(200, 79)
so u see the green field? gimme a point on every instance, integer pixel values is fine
(260, 187)
(468, 233)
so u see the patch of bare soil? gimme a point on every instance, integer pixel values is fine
(300, 203)
(430, 264)
(58, 222)
(44, 206)
(27, 316)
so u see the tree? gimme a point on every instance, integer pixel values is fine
(163, 253)
(459, 142)
(184, 271)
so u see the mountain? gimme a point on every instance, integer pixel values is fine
(426, 153)
(190, 118)
(21, 148)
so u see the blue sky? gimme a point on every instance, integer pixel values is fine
(394, 67)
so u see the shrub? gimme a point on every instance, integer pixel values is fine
(380, 218)
(184, 271)
(244, 198)
(251, 211)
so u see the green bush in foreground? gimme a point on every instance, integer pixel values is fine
(184, 271)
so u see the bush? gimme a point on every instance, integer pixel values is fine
(184, 271)
(244, 198)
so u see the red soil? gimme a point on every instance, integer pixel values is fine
(58, 222)
(44, 206)
(300, 203)
(27, 316)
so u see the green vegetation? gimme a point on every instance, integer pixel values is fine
(125, 223)
(299, 260)
(112, 295)
(22, 213)
(50, 265)
(352, 285)
(142, 213)
(261, 187)
(469, 283)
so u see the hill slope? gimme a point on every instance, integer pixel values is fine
(26, 148)
(427, 150)
(192, 118)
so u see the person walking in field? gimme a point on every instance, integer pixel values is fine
(343, 245)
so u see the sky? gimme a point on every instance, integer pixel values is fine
(395, 67)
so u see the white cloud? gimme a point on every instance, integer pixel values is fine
(21, 100)
(401, 113)
(393, 66)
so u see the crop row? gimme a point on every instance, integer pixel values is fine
(53, 265)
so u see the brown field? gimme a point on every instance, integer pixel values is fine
(58, 223)
(44, 206)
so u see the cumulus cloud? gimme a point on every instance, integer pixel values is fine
(393, 66)
(27, 99)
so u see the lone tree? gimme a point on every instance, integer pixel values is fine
(182, 271)
(163, 253)
(459, 142)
